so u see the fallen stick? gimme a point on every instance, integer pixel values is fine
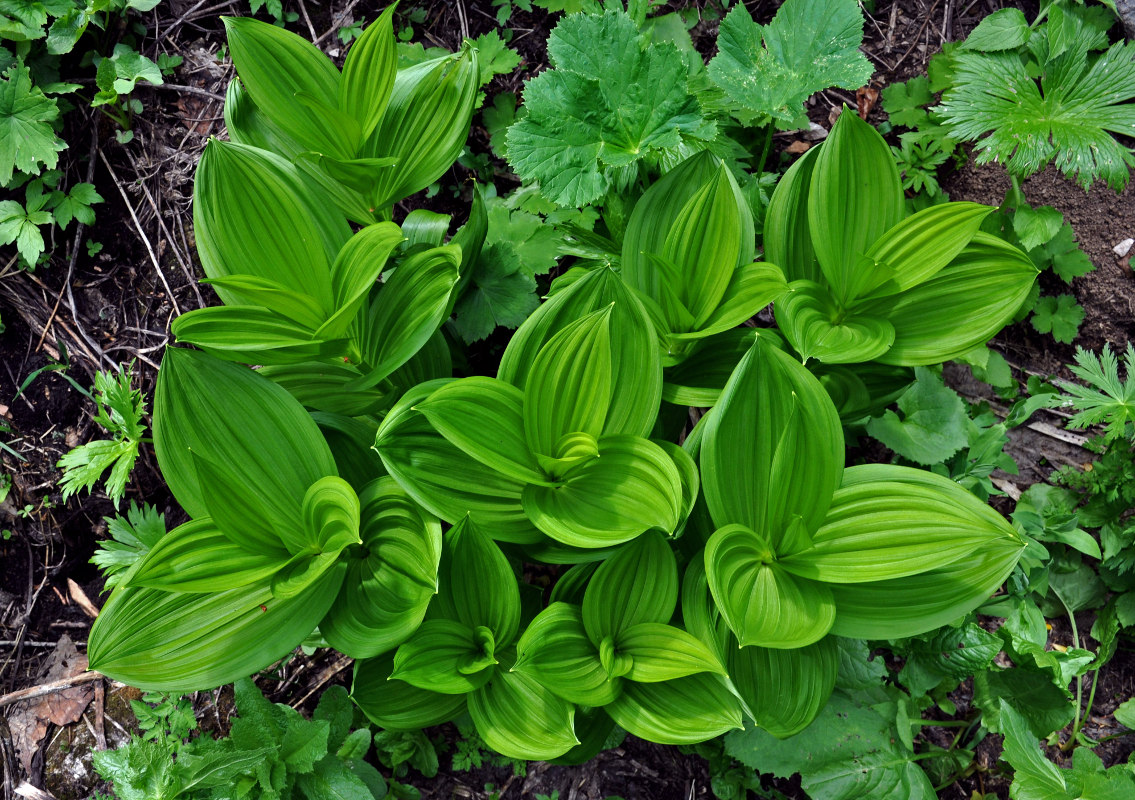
(50, 688)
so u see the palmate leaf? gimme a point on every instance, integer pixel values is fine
(27, 139)
(810, 45)
(1067, 119)
(611, 102)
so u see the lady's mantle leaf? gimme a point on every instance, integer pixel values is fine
(26, 114)
(610, 102)
(810, 45)
(933, 426)
(502, 293)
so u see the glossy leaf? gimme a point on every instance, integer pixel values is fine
(301, 309)
(762, 602)
(556, 652)
(199, 557)
(661, 652)
(390, 580)
(787, 237)
(251, 334)
(484, 417)
(631, 487)
(818, 329)
(354, 273)
(396, 705)
(368, 73)
(773, 447)
(323, 386)
(636, 585)
(477, 585)
(785, 689)
(682, 711)
(519, 718)
(230, 415)
(446, 656)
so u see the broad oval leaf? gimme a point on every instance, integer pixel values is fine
(787, 238)
(556, 652)
(477, 585)
(634, 353)
(323, 386)
(763, 603)
(773, 447)
(368, 73)
(301, 309)
(354, 273)
(177, 642)
(681, 711)
(446, 656)
(252, 335)
(631, 487)
(899, 523)
(662, 652)
(784, 690)
(638, 584)
(752, 287)
(396, 705)
(391, 579)
(817, 328)
(519, 718)
(230, 415)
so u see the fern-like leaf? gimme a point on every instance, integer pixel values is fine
(1106, 400)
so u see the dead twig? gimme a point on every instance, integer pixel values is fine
(50, 688)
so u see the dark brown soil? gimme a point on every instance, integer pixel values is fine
(88, 313)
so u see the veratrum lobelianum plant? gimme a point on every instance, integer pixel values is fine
(297, 525)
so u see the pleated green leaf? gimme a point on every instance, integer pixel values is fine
(443, 479)
(252, 335)
(638, 584)
(682, 711)
(699, 378)
(519, 718)
(425, 124)
(656, 213)
(556, 652)
(396, 705)
(446, 656)
(246, 518)
(410, 308)
(199, 557)
(855, 196)
(350, 441)
(784, 690)
(773, 448)
(763, 603)
(961, 307)
(177, 642)
(330, 516)
(918, 247)
(368, 73)
(811, 321)
(913, 605)
(688, 472)
(662, 652)
(477, 585)
(484, 417)
(634, 354)
(256, 214)
(391, 579)
(700, 615)
(362, 177)
(901, 523)
(787, 237)
(631, 487)
(570, 386)
(751, 288)
(323, 386)
(230, 415)
(354, 273)
(275, 65)
(301, 309)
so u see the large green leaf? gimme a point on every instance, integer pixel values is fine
(177, 642)
(854, 198)
(443, 479)
(396, 705)
(787, 238)
(699, 378)
(425, 124)
(255, 214)
(662, 652)
(751, 288)
(484, 417)
(230, 415)
(368, 73)
(570, 386)
(961, 307)
(812, 321)
(354, 273)
(556, 652)
(899, 523)
(446, 656)
(631, 487)
(252, 335)
(519, 718)
(682, 711)
(784, 690)
(275, 296)
(279, 68)
(634, 352)
(773, 447)
(410, 308)
(763, 603)
(636, 585)
(323, 386)
(199, 557)
(477, 585)
(391, 579)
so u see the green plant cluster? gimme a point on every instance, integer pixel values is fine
(679, 478)
(34, 36)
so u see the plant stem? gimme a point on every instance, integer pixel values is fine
(765, 149)
(1068, 745)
